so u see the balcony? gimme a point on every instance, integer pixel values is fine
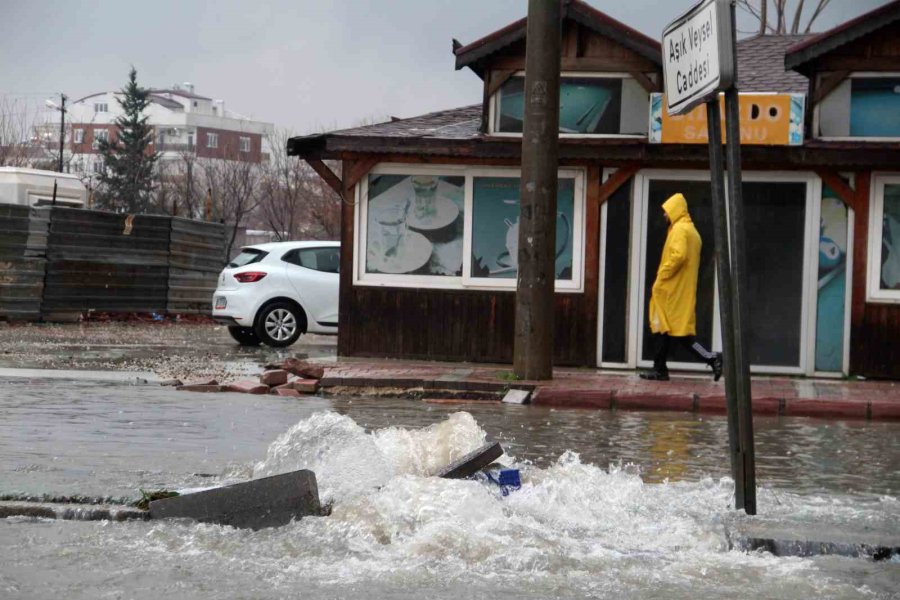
(167, 147)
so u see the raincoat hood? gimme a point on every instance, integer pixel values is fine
(676, 207)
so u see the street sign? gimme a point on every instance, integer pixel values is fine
(698, 58)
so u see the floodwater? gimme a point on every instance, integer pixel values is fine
(614, 505)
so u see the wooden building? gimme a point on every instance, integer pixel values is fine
(430, 212)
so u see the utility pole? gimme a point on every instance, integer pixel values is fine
(533, 349)
(62, 130)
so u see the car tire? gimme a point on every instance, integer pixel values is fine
(245, 336)
(280, 324)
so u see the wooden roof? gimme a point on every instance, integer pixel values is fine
(472, 55)
(800, 57)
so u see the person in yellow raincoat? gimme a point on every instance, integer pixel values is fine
(673, 302)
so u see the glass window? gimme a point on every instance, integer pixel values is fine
(884, 240)
(875, 106)
(79, 136)
(414, 225)
(495, 227)
(212, 140)
(248, 256)
(617, 236)
(327, 260)
(587, 105)
(832, 283)
(245, 144)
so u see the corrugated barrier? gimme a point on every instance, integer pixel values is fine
(57, 263)
(196, 257)
(23, 240)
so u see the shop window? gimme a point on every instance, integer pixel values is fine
(415, 225)
(862, 106)
(588, 105)
(495, 228)
(456, 227)
(884, 240)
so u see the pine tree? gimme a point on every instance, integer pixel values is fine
(129, 177)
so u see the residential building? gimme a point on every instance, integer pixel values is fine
(183, 122)
(430, 212)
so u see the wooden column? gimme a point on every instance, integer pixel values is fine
(863, 181)
(345, 295)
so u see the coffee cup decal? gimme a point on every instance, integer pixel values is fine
(391, 219)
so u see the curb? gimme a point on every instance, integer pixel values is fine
(872, 410)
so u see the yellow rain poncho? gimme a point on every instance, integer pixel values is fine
(673, 302)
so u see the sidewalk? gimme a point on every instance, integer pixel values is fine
(624, 390)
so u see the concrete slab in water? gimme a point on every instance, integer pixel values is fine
(83, 375)
(71, 512)
(267, 502)
(472, 462)
(517, 397)
(790, 539)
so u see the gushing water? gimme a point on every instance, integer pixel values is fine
(348, 461)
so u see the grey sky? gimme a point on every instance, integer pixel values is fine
(301, 64)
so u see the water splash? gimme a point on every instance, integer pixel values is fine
(347, 460)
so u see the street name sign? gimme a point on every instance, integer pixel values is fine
(698, 59)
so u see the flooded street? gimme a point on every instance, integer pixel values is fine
(617, 505)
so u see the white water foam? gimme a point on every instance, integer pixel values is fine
(348, 461)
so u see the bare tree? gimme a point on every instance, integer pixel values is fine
(294, 202)
(27, 137)
(233, 190)
(181, 186)
(778, 21)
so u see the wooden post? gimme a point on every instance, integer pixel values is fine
(533, 349)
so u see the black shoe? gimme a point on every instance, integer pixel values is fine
(716, 364)
(654, 375)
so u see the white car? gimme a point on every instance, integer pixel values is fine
(273, 293)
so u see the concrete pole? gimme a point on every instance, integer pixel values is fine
(533, 349)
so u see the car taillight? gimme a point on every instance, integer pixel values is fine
(249, 276)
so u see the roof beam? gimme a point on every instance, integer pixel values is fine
(838, 186)
(615, 181)
(333, 181)
(829, 82)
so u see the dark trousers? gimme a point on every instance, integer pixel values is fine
(664, 340)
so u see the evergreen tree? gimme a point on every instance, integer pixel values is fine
(129, 177)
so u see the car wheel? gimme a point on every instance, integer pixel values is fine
(245, 336)
(280, 324)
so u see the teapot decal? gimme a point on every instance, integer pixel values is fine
(509, 259)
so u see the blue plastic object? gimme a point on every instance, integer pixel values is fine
(509, 480)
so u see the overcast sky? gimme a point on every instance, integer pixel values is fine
(306, 65)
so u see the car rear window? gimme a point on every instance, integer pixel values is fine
(248, 256)
(327, 260)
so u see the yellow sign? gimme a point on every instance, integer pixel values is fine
(766, 119)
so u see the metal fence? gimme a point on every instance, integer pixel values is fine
(23, 241)
(196, 256)
(57, 263)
